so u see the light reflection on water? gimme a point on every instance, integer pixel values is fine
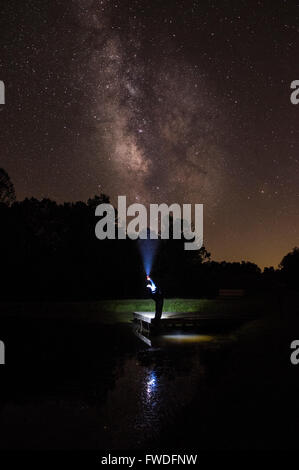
(153, 386)
(186, 338)
(125, 398)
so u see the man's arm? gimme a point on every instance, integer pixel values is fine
(151, 284)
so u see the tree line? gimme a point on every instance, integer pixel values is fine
(49, 251)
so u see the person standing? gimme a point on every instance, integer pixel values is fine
(156, 294)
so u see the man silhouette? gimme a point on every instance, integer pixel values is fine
(156, 294)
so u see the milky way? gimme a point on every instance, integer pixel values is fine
(157, 130)
(180, 101)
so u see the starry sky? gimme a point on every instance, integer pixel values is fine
(176, 101)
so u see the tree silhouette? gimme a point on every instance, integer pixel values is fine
(289, 267)
(7, 190)
(50, 251)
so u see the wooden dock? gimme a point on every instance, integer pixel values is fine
(186, 321)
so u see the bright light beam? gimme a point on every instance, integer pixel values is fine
(148, 249)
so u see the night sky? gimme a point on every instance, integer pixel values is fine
(162, 101)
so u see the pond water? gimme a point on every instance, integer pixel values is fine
(99, 387)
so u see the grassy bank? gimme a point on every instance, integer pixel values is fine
(115, 311)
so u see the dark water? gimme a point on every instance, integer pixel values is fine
(76, 385)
